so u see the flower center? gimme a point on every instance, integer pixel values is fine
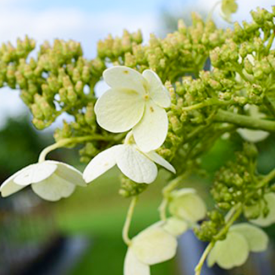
(146, 97)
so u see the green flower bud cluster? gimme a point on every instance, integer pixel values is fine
(52, 83)
(236, 181)
(129, 188)
(184, 51)
(210, 228)
(115, 48)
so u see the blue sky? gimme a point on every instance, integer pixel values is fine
(87, 22)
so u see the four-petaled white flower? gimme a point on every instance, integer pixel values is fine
(234, 249)
(51, 180)
(135, 101)
(136, 165)
(187, 205)
(152, 246)
(227, 8)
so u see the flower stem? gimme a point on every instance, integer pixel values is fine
(270, 42)
(126, 227)
(208, 102)
(244, 121)
(68, 141)
(203, 258)
(166, 194)
(232, 216)
(266, 179)
(210, 14)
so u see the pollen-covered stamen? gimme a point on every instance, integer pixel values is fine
(146, 97)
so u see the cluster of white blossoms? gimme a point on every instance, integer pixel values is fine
(134, 102)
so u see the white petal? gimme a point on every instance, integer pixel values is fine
(9, 187)
(69, 173)
(181, 192)
(135, 165)
(231, 252)
(118, 110)
(53, 188)
(189, 207)
(253, 135)
(132, 266)
(270, 218)
(35, 173)
(157, 90)
(151, 131)
(160, 161)
(124, 77)
(154, 245)
(100, 164)
(175, 227)
(256, 238)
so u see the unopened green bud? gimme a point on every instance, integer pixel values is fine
(126, 41)
(79, 87)
(71, 95)
(26, 97)
(130, 188)
(37, 112)
(130, 60)
(90, 114)
(21, 80)
(137, 37)
(76, 75)
(47, 93)
(39, 124)
(63, 95)
(252, 211)
(86, 74)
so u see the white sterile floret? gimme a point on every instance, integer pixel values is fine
(253, 135)
(152, 246)
(270, 217)
(227, 8)
(256, 238)
(132, 266)
(134, 101)
(234, 250)
(175, 226)
(231, 252)
(136, 165)
(187, 205)
(51, 180)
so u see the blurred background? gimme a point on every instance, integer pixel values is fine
(82, 234)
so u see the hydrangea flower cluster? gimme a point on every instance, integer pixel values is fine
(165, 107)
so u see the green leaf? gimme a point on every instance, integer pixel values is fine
(231, 252)
(256, 238)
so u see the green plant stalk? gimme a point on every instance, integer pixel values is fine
(166, 194)
(206, 103)
(232, 217)
(266, 179)
(126, 227)
(244, 121)
(68, 141)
